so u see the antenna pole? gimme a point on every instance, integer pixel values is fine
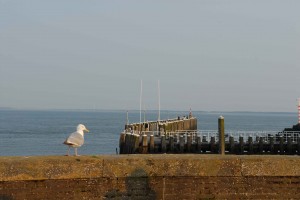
(144, 113)
(298, 110)
(158, 100)
(141, 94)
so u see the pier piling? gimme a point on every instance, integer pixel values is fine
(171, 143)
(281, 148)
(261, 145)
(250, 143)
(144, 144)
(221, 135)
(136, 138)
(199, 144)
(272, 149)
(122, 142)
(231, 145)
(289, 145)
(298, 146)
(152, 144)
(213, 145)
(127, 142)
(189, 143)
(181, 144)
(241, 145)
(163, 144)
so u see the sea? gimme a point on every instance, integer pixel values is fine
(42, 132)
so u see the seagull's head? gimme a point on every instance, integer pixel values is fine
(82, 127)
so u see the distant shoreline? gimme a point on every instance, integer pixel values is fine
(137, 111)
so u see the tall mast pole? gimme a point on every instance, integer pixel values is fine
(141, 94)
(144, 113)
(158, 100)
(298, 110)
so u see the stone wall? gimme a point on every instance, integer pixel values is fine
(163, 176)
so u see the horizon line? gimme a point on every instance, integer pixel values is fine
(137, 110)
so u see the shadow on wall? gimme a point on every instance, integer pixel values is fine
(137, 187)
(4, 197)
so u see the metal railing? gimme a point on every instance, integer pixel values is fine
(206, 135)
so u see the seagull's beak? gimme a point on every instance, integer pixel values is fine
(87, 130)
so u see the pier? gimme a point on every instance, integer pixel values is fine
(170, 125)
(180, 136)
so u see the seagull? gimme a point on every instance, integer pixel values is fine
(76, 139)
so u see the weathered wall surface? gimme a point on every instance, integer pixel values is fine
(161, 176)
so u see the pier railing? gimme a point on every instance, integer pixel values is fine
(208, 134)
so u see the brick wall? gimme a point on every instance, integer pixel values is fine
(150, 177)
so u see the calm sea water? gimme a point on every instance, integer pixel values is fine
(26, 133)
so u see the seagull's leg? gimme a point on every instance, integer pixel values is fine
(75, 149)
(68, 151)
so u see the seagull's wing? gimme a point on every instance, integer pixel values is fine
(75, 139)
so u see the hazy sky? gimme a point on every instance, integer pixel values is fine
(211, 55)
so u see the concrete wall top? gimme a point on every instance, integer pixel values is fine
(159, 165)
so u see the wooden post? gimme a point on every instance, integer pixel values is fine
(298, 145)
(136, 143)
(171, 142)
(181, 144)
(175, 138)
(152, 144)
(132, 143)
(231, 145)
(281, 147)
(199, 144)
(127, 143)
(257, 139)
(261, 145)
(221, 135)
(122, 142)
(204, 138)
(144, 144)
(212, 144)
(163, 144)
(289, 145)
(250, 145)
(189, 143)
(241, 145)
(272, 150)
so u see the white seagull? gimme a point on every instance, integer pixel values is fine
(76, 139)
